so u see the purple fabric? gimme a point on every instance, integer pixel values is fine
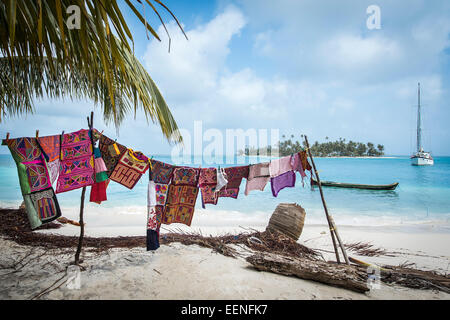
(284, 180)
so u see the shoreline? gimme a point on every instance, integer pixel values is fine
(128, 271)
(123, 217)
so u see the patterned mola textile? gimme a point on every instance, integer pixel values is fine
(46, 205)
(180, 204)
(35, 184)
(234, 176)
(208, 177)
(130, 168)
(51, 146)
(38, 175)
(111, 152)
(161, 172)
(53, 169)
(209, 195)
(161, 193)
(185, 176)
(76, 162)
(207, 182)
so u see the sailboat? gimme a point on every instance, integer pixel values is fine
(420, 158)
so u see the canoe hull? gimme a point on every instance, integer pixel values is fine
(357, 186)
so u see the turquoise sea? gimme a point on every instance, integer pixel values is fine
(423, 195)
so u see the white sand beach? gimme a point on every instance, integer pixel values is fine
(177, 271)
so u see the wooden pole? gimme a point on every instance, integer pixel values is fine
(83, 192)
(80, 239)
(331, 225)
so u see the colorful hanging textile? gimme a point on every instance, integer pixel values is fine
(208, 177)
(159, 215)
(207, 182)
(209, 195)
(24, 149)
(34, 180)
(98, 192)
(304, 159)
(161, 191)
(51, 146)
(101, 173)
(161, 172)
(151, 195)
(38, 175)
(180, 204)
(130, 168)
(98, 189)
(46, 205)
(282, 181)
(152, 240)
(160, 176)
(185, 176)
(53, 170)
(76, 162)
(222, 179)
(297, 166)
(101, 176)
(258, 176)
(111, 152)
(234, 175)
(152, 219)
(280, 166)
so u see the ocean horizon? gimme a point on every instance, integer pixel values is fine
(421, 197)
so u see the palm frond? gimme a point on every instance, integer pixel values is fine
(40, 56)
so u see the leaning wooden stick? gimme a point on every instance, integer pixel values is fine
(344, 252)
(331, 225)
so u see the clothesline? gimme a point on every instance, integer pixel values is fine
(70, 161)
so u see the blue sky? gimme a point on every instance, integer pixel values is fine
(307, 67)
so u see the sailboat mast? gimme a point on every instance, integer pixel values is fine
(419, 123)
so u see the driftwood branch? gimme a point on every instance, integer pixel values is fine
(339, 275)
(417, 279)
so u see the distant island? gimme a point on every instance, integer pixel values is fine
(338, 148)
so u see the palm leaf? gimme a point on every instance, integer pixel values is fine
(40, 56)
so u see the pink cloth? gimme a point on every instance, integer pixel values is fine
(99, 165)
(258, 176)
(296, 163)
(280, 166)
(256, 184)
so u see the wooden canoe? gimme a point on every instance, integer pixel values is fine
(391, 186)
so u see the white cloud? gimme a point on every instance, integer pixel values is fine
(354, 52)
(319, 105)
(311, 68)
(192, 67)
